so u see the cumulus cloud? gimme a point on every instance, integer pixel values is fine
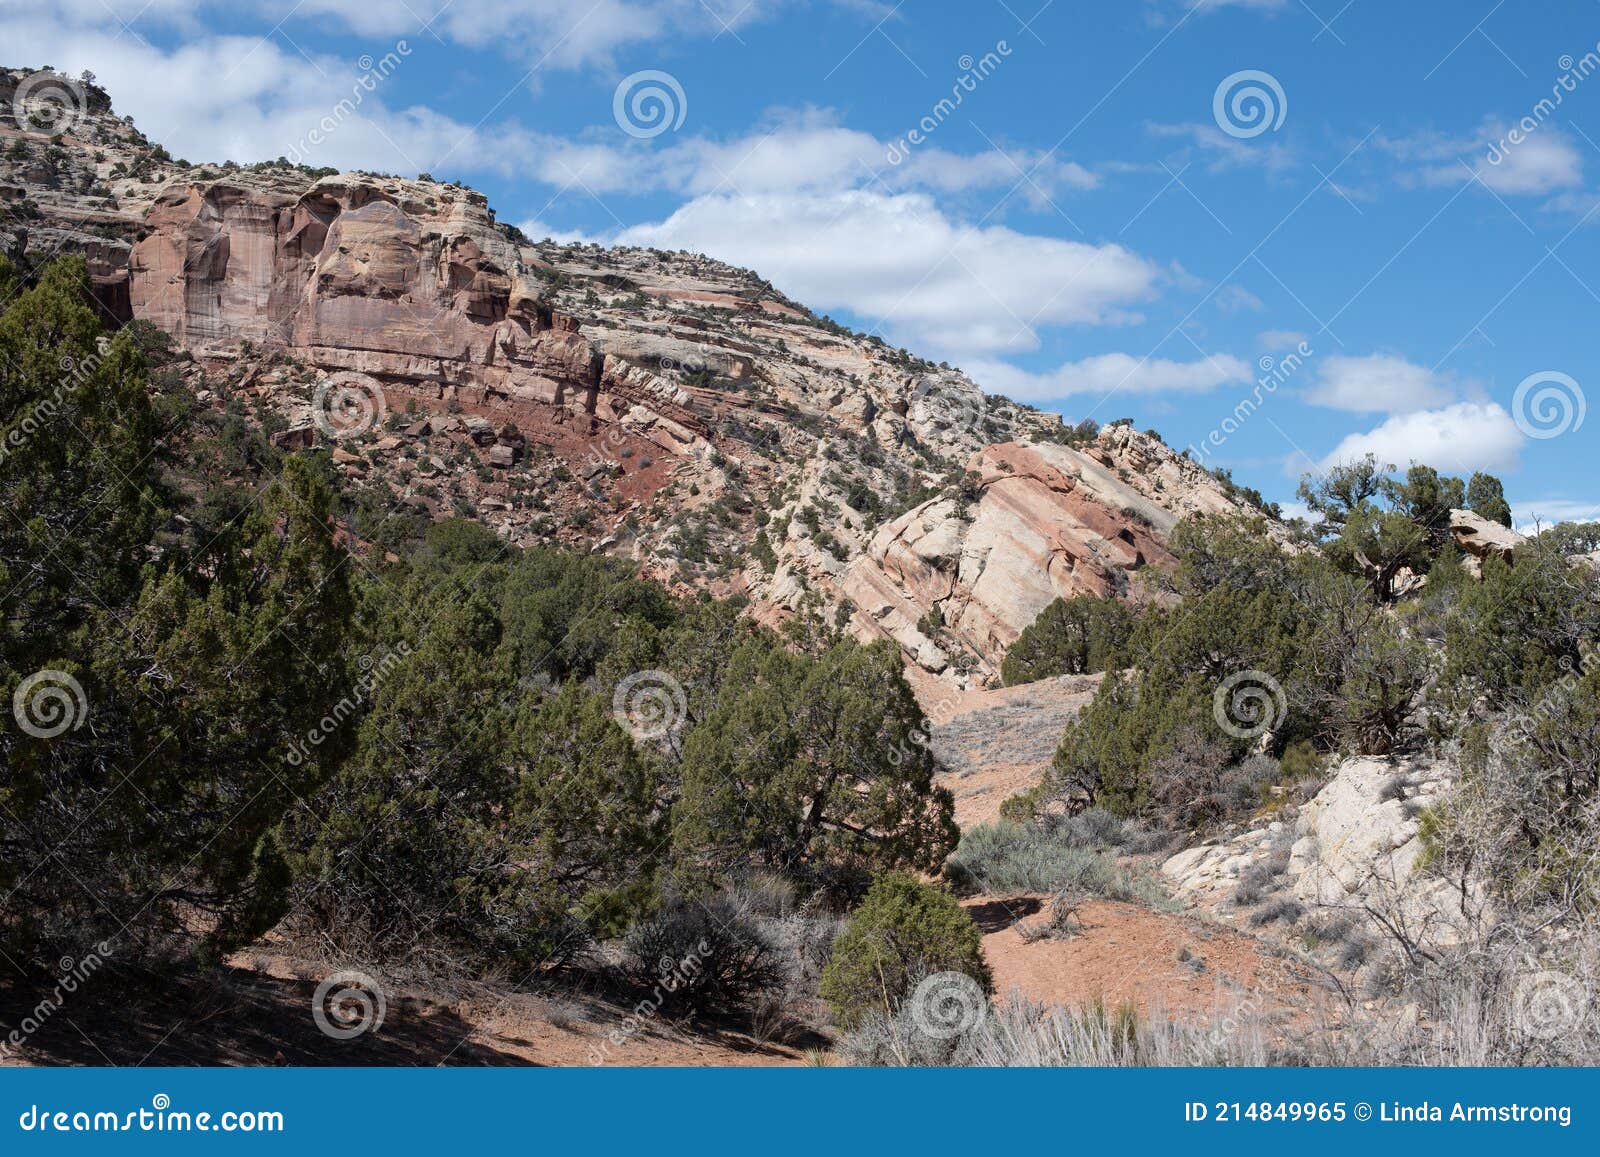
(1113, 373)
(933, 280)
(1460, 438)
(1236, 299)
(1544, 163)
(1376, 383)
(246, 99)
(1299, 510)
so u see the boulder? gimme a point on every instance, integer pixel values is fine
(297, 438)
(1481, 537)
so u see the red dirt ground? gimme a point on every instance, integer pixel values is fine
(1129, 954)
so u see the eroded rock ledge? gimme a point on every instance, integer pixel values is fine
(1049, 522)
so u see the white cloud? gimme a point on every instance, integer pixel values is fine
(1236, 299)
(1545, 160)
(537, 230)
(1459, 439)
(791, 151)
(934, 281)
(1543, 163)
(1226, 152)
(1376, 383)
(545, 33)
(1543, 513)
(1114, 373)
(1280, 339)
(1299, 510)
(245, 99)
(542, 33)
(1041, 175)
(1163, 12)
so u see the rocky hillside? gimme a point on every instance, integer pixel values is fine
(661, 406)
(968, 572)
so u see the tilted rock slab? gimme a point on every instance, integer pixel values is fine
(1051, 522)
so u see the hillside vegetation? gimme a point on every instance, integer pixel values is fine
(468, 758)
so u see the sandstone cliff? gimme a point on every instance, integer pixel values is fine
(1047, 521)
(662, 406)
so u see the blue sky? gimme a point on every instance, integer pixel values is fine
(1095, 227)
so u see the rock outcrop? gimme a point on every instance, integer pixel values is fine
(407, 282)
(1354, 846)
(1479, 538)
(1047, 521)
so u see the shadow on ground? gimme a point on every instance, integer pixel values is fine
(226, 1016)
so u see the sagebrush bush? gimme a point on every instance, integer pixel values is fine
(1484, 1005)
(1010, 857)
(1024, 1033)
(1061, 919)
(1067, 855)
(704, 955)
(903, 930)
